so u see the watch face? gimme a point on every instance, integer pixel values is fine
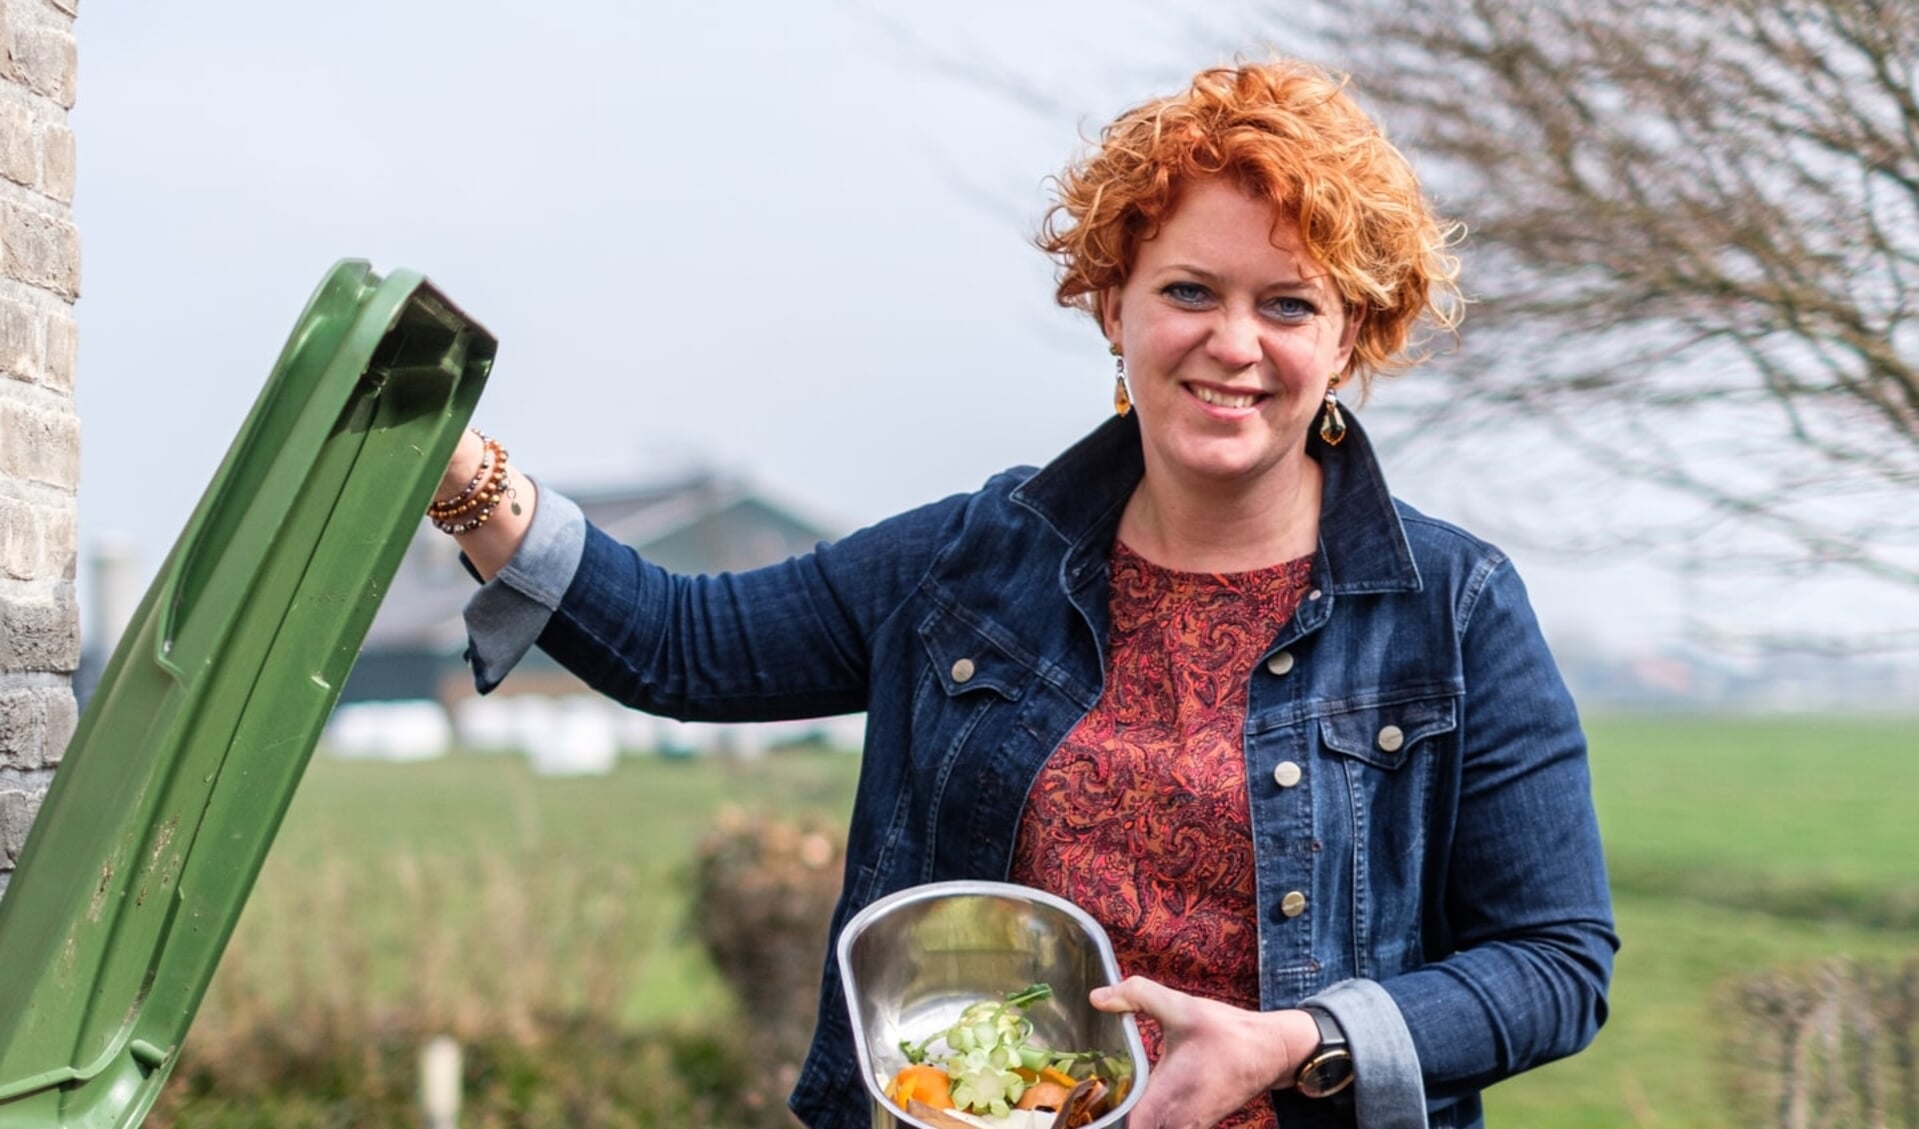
(1326, 1075)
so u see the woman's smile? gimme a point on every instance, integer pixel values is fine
(1223, 398)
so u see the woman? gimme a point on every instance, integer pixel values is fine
(1300, 748)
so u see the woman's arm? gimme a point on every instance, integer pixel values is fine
(789, 640)
(1526, 917)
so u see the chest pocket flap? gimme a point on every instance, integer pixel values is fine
(968, 659)
(1387, 736)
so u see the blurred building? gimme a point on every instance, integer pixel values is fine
(1682, 678)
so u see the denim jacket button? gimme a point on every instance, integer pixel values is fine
(1286, 774)
(1280, 663)
(1390, 739)
(963, 671)
(1293, 904)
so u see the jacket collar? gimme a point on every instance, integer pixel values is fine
(1363, 545)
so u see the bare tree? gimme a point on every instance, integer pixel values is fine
(1694, 246)
(1693, 255)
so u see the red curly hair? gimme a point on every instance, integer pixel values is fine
(1285, 132)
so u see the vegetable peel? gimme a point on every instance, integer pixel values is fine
(990, 1063)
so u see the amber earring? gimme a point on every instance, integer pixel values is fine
(1332, 425)
(1122, 399)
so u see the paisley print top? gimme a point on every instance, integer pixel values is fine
(1140, 816)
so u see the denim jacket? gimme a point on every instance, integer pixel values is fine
(1433, 809)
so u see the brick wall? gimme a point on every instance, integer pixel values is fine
(39, 433)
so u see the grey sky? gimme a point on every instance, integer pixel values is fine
(724, 232)
(760, 236)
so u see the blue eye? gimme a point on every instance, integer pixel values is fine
(1292, 309)
(1185, 293)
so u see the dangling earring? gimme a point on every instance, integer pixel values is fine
(1122, 399)
(1332, 425)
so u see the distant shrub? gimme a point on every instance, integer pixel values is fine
(1835, 1044)
(763, 895)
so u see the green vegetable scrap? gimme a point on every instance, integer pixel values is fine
(988, 1047)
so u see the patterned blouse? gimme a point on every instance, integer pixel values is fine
(1140, 816)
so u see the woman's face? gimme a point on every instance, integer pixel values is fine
(1230, 333)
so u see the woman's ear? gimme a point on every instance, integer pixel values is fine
(1349, 335)
(1107, 304)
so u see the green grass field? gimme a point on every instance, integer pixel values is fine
(633, 833)
(1736, 845)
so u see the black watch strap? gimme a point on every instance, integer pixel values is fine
(1329, 1069)
(1331, 1035)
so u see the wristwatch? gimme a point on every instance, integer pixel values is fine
(1329, 1069)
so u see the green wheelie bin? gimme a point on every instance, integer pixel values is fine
(160, 815)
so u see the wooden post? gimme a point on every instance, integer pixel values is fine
(440, 1083)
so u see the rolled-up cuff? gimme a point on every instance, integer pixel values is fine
(508, 612)
(1388, 1092)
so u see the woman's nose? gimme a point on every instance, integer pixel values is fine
(1235, 341)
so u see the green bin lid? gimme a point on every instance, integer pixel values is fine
(186, 758)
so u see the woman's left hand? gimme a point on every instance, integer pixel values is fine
(1215, 1057)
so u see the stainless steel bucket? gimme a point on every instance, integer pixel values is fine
(912, 961)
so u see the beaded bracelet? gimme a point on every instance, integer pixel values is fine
(462, 516)
(481, 508)
(490, 483)
(479, 476)
(492, 470)
(492, 458)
